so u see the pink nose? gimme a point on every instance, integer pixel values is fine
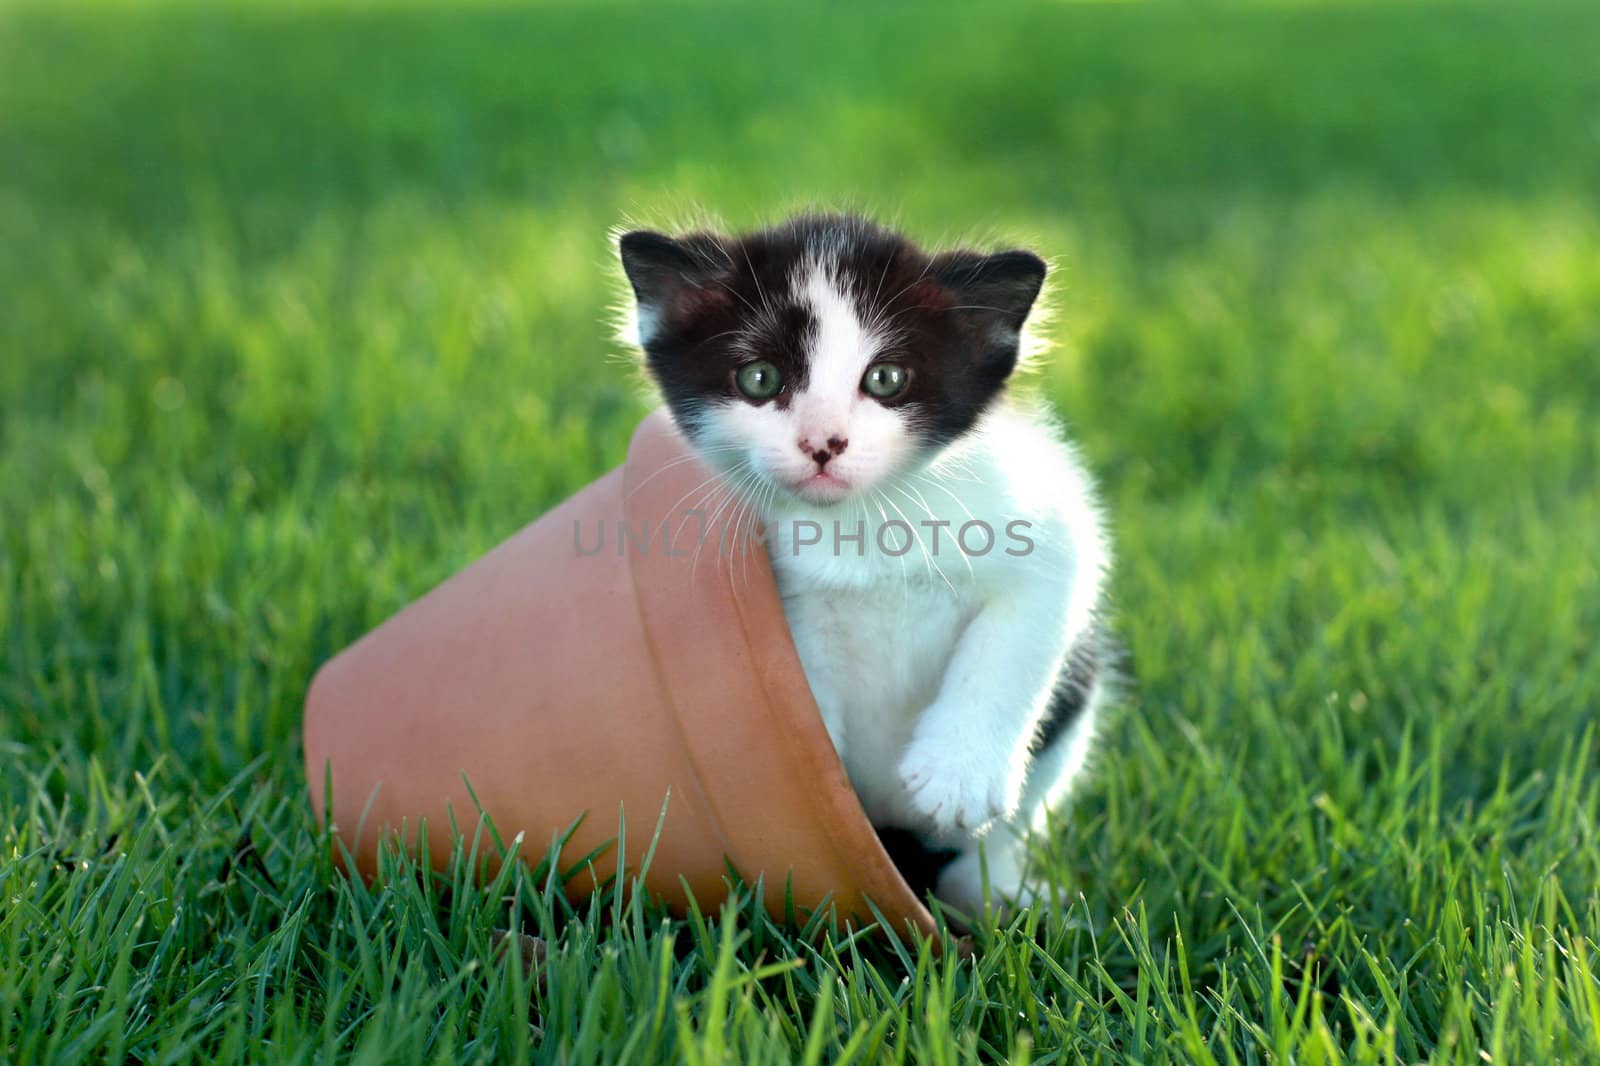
(823, 452)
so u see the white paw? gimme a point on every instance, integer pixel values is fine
(955, 789)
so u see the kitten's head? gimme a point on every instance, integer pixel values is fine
(826, 354)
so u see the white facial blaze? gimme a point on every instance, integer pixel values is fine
(838, 358)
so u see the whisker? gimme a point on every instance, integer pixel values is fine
(698, 453)
(935, 483)
(735, 522)
(766, 305)
(716, 481)
(905, 581)
(746, 473)
(907, 491)
(753, 309)
(684, 498)
(926, 557)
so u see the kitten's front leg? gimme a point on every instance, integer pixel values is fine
(967, 758)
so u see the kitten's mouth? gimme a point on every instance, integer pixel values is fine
(821, 487)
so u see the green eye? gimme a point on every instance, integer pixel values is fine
(759, 381)
(885, 380)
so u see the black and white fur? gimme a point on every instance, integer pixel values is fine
(960, 688)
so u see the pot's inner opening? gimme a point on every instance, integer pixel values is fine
(919, 864)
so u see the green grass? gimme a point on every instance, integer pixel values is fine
(302, 308)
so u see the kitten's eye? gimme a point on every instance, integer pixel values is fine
(759, 381)
(885, 380)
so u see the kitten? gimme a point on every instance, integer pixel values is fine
(936, 543)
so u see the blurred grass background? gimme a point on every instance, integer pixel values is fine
(302, 307)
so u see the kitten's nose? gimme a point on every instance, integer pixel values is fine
(823, 452)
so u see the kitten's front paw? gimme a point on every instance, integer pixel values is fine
(952, 788)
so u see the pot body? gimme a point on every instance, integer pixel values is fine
(626, 651)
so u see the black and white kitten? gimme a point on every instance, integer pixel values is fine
(937, 544)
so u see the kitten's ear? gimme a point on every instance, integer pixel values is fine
(1003, 285)
(660, 267)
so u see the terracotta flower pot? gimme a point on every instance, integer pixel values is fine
(562, 681)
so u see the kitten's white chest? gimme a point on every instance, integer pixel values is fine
(875, 657)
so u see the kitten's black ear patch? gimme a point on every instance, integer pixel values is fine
(659, 266)
(1004, 284)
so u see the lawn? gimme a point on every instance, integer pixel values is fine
(303, 307)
